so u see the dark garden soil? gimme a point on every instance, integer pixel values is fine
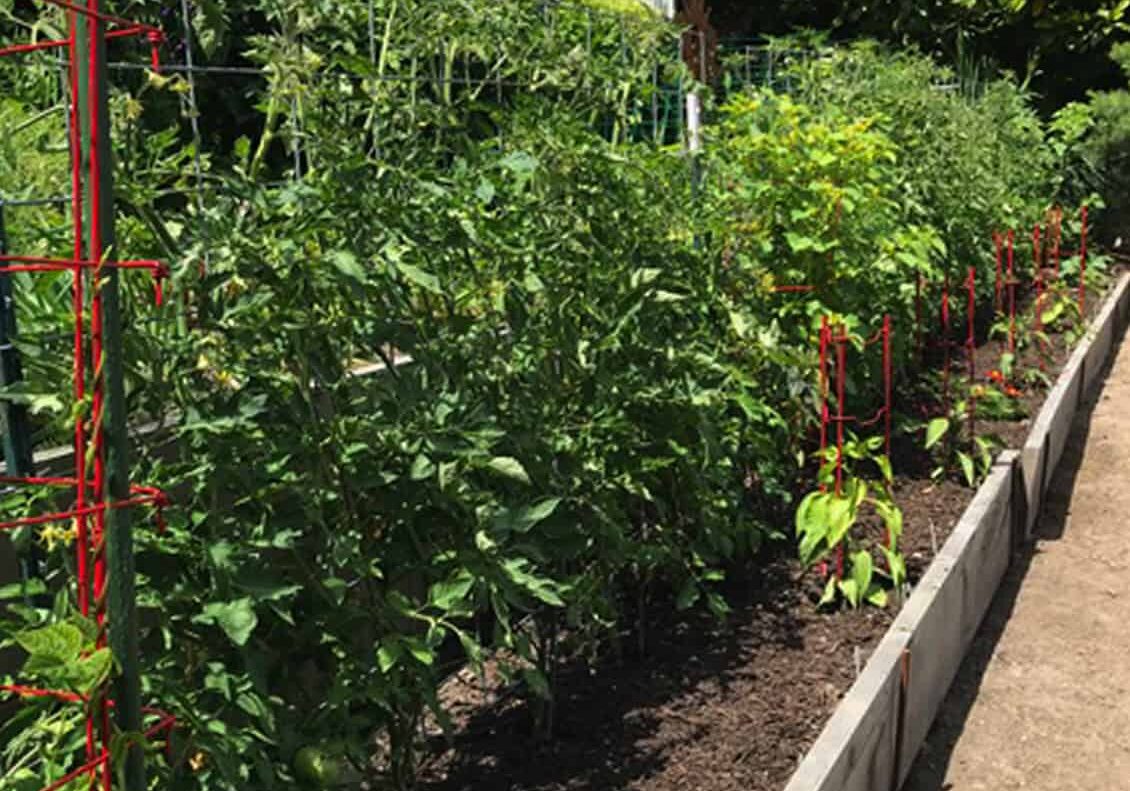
(710, 706)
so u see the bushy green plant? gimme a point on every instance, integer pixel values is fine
(590, 393)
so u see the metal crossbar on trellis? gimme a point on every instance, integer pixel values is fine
(102, 493)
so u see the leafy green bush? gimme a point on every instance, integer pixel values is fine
(589, 397)
(966, 165)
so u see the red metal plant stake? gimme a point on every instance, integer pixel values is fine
(997, 289)
(918, 319)
(945, 316)
(1011, 295)
(1057, 237)
(888, 383)
(1037, 251)
(841, 379)
(1083, 263)
(888, 402)
(971, 348)
(825, 415)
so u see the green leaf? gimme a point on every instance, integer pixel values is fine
(862, 570)
(936, 429)
(237, 619)
(447, 594)
(419, 651)
(968, 468)
(841, 517)
(261, 587)
(896, 566)
(884, 465)
(519, 162)
(422, 468)
(537, 683)
(543, 589)
(60, 642)
(423, 279)
(346, 263)
(799, 243)
(688, 595)
(388, 655)
(812, 513)
(220, 554)
(891, 515)
(509, 467)
(485, 191)
(522, 520)
(829, 594)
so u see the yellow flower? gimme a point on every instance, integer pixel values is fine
(53, 535)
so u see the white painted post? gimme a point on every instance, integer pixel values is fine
(694, 122)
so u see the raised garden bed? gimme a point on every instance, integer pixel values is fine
(871, 740)
(739, 705)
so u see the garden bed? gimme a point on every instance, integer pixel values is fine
(722, 706)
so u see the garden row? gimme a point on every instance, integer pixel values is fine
(614, 399)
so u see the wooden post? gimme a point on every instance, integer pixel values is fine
(98, 188)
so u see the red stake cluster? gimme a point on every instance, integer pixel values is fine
(86, 265)
(834, 342)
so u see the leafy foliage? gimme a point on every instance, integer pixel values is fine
(461, 369)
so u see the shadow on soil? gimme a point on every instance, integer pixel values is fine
(930, 768)
(607, 718)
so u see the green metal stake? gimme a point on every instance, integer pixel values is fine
(121, 603)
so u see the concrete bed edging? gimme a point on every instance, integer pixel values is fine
(1048, 436)
(875, 732)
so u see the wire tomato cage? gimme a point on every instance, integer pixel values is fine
(88, 267)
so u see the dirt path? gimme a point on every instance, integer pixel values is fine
(1043, 700)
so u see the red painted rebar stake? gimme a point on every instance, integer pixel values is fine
(841, 379)
(104, 571)
(888, 383)
(825, 415)
(998, 294)
(946, 343)
(1037, 251)
(888, 404)
(918, 339)
(1011, 295)
(1083, 263)
(1057, 238)
(971, 349)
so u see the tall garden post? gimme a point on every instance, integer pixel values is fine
(111, 442)
(694, 136)
(694, 147)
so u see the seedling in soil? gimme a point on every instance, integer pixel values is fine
(975, 458)
(825, 520)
